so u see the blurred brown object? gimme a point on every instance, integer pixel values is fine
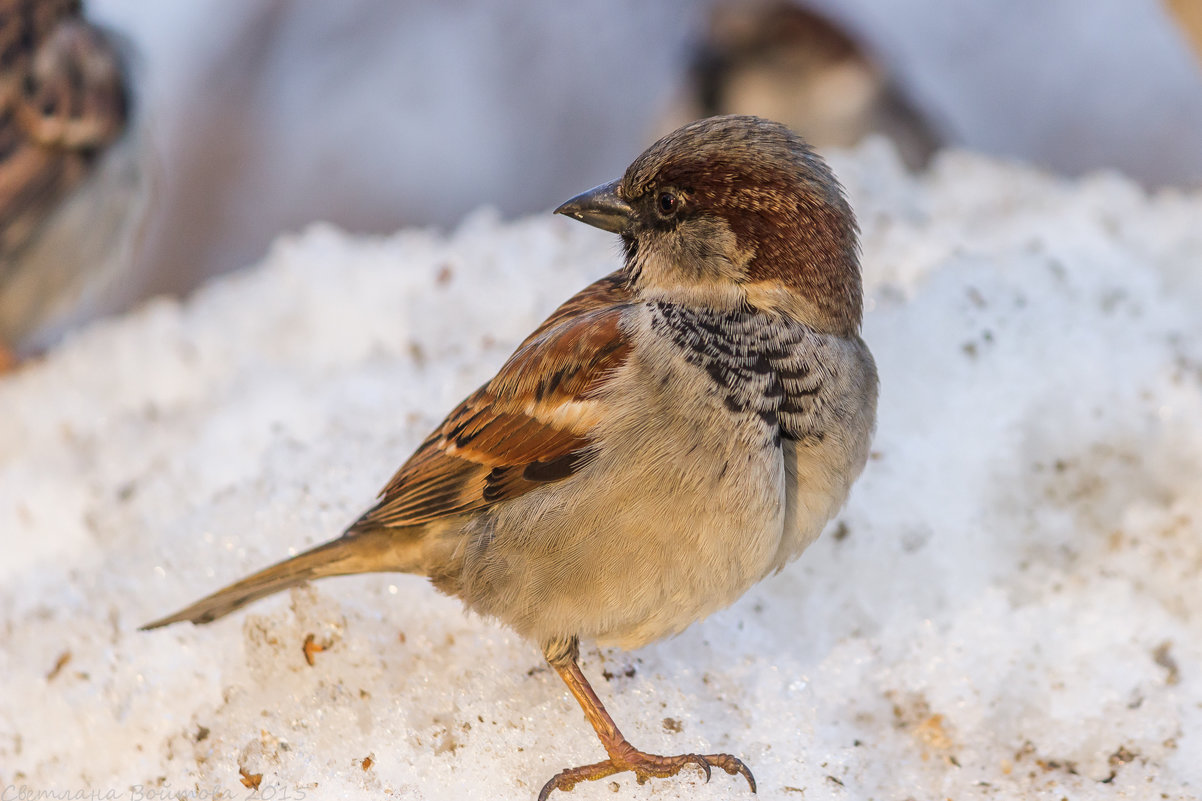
(63, 102)
(778, 60)
(1188, 14)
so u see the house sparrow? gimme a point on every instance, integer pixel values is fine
(674, 433)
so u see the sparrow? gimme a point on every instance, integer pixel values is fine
(809, 71)
(668, 437)
(64, 100)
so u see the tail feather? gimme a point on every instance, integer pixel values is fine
(371, 551)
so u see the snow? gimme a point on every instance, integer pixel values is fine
(1007, 608)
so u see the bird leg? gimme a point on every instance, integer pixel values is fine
(622, 755)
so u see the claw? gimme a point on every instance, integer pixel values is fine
(645, 766)
(544, 793)
(734, 766)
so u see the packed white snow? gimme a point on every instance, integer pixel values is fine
(1009, 606)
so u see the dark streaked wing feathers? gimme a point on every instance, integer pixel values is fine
(528, 426)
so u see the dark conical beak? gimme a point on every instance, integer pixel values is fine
(600, 206)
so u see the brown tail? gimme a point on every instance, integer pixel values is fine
(373, 551)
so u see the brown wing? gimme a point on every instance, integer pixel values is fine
(529, 425)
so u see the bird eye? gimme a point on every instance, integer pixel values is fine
(668, 203)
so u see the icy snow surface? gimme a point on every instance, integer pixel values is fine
(1009, 607)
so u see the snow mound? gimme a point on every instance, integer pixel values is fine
(1009, 607)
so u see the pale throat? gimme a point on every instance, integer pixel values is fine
(699, 264)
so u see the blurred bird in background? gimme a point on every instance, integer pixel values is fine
(780, 60)
(63, 105)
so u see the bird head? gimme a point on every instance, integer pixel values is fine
(735, 211)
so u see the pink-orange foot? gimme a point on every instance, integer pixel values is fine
(626, 757)
(562, 655)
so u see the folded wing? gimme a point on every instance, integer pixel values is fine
(530, 425)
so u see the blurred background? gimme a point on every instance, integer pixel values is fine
(145, 147)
